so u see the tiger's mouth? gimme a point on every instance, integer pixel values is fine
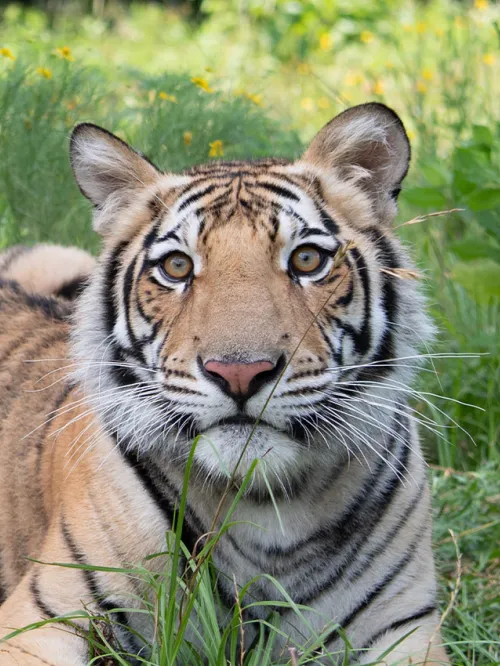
(241, 420)
(245, 425)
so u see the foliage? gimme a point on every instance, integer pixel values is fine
(172, 119)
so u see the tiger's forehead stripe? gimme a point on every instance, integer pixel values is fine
(292, 203)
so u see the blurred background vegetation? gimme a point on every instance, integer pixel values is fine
(186, 81)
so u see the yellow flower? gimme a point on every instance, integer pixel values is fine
(65, 53)
(367, 37)
(389, 64)
(44, 72)
(421, 87)
(407, 27)
(325, 42)
(481, 4)
(347, 96)
(460, 22)
(378, 88)
(256, 99)
(353, 79)
(202, 83)
(7, 53)
(489, 59)
(439, 32)
(421, 27)
(307, 103)
(303, 68)
(427, 74)
(216, 149)
(324, 103)
(411, 134)
(188, 137)
(169, 98)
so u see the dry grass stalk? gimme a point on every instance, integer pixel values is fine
(422, 218)
(402, 273)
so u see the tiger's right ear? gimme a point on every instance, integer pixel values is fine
(108, 171)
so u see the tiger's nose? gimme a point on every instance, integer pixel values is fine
(241, 380)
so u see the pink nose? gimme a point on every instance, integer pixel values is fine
(238, 375)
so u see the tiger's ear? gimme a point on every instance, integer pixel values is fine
(108, 171)
(368, 144)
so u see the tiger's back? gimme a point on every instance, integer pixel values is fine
(34, 340)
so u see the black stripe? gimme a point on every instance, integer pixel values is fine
(92, 585)
(51, 416)
(170, 235)
(427, 610)
(151, 236)
(72, 289)
(44, 609)
(163, 502)
(330, 225)
(122, 374)
(195, 197)
(275, 189)
(14, 345)
(108, 288)
(361, 338)
(388, 538)
(336, 355)
(385, 349)
(375, 592)
(127, 293)
(48, 306)
(313, 231)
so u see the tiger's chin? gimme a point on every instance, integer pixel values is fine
(230, 449)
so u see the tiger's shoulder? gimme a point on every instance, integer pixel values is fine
(38, 286)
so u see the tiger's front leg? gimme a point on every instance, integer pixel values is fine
(116, 528)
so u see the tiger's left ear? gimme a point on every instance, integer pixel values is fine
(367, 144)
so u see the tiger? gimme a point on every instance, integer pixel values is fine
(257, 309)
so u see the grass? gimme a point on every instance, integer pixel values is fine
(276, 77)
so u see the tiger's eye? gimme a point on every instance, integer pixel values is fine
(306, 259)
(177, 265)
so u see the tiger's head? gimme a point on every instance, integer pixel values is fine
(242, 299)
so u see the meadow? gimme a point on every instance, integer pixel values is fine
(258, 78)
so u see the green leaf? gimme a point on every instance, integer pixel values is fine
(425, 197)
(462, 185)
(482, 135)
(434, 175)
(490, 222)
(480, 278)
(485, 199)
(469, 250)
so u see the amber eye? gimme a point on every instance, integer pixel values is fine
(177, 266)
(306, 259)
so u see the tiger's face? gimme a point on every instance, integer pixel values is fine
(246, 303)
